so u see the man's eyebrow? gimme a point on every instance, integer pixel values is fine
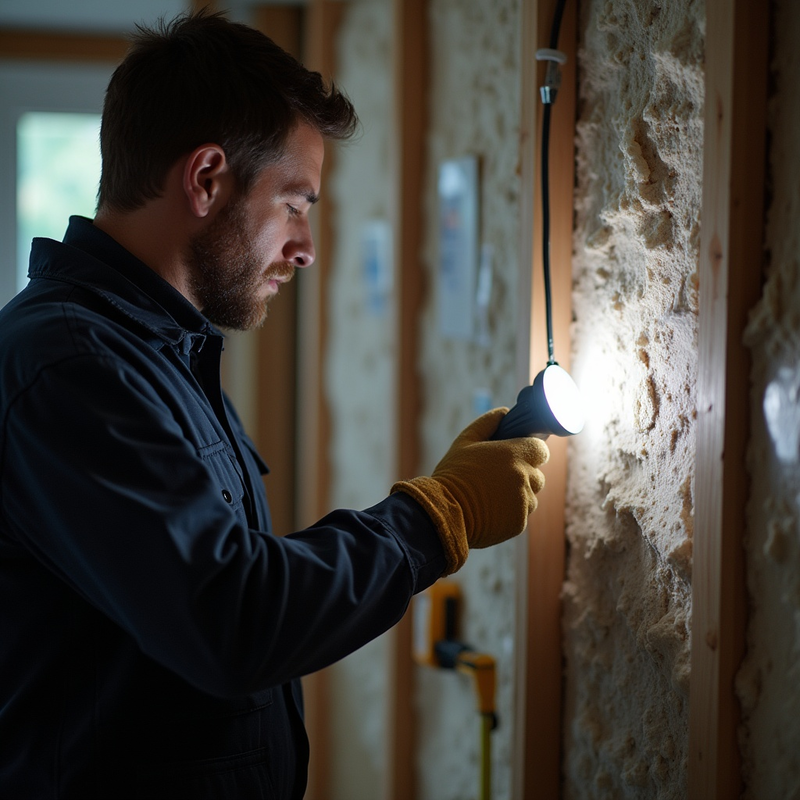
(302, 191)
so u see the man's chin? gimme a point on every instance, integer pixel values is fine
(240, 319)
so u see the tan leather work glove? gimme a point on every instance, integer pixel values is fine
(481, 492)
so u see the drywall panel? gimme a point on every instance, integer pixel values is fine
(767, 683)
(359, 373)
(630, 492)
(474, 111)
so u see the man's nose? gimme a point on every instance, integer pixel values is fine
(299, 249)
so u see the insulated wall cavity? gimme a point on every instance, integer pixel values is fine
(627, 596)
(768, 681)
(359, 373)
(473, 111)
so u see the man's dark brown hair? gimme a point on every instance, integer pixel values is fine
(203, 79)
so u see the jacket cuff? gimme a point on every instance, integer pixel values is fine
(417, 535)
(446, 515)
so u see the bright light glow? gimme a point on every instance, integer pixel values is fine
(563, 398)
(595, 367)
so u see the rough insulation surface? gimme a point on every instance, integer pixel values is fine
(359, 381)
(474, 111)
(630, 491)
(768, 681)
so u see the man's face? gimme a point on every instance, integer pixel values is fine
(256, 241)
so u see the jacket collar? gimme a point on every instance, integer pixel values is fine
(90, 258)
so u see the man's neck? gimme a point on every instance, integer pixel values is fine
(157, 240)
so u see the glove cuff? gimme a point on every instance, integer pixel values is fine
(446, 515)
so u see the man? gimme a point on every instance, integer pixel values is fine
(152, 629)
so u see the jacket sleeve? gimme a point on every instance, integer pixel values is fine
(102, 486)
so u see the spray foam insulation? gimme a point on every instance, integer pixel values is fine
(630, 490)
(359, 380)
(473, 110)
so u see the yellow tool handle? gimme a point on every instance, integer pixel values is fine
(487, 723)
(482, 666)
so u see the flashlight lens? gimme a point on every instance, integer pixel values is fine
(564, 398)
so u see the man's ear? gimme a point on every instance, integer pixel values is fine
(206, 179)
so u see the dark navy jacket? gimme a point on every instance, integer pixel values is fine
(152, 629)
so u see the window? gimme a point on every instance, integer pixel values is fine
(45, 110)
(58, 169)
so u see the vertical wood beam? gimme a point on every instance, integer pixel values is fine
(410, 81)
(276, 342)
(198, 5)
(283, 24)
(53, 46)
(731, 260)
(313, 435)
(536, 768)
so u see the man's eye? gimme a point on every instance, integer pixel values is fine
(293, 212)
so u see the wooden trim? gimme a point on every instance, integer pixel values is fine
(41, 45)
(536, 766)
(410, 80)
(313, 434)
(731, 258)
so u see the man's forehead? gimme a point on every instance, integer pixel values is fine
(299, 168)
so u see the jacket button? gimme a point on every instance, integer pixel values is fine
(227, 496)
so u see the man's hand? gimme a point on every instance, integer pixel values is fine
(482, 491)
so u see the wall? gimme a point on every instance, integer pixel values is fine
(474, 107)
(627, 594)
(768, 680)
(359, 380)
(630, 492)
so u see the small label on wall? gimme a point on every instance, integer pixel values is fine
(376, 258)
(458, 246)
(483, 296)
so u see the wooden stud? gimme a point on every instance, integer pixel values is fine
(536, 766)
(410, 79)
(313, 433)
(283, 24)
(199, 5)
(275, 362)
(731, 260)
(52, 46)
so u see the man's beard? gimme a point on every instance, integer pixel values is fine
(227, 276)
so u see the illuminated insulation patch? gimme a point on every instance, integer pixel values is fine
(630, 512)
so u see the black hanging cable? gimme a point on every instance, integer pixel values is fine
(548, 98)
(548, 406)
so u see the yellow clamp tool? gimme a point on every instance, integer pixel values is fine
(436, 645)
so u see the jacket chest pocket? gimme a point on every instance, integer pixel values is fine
(221, 462)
